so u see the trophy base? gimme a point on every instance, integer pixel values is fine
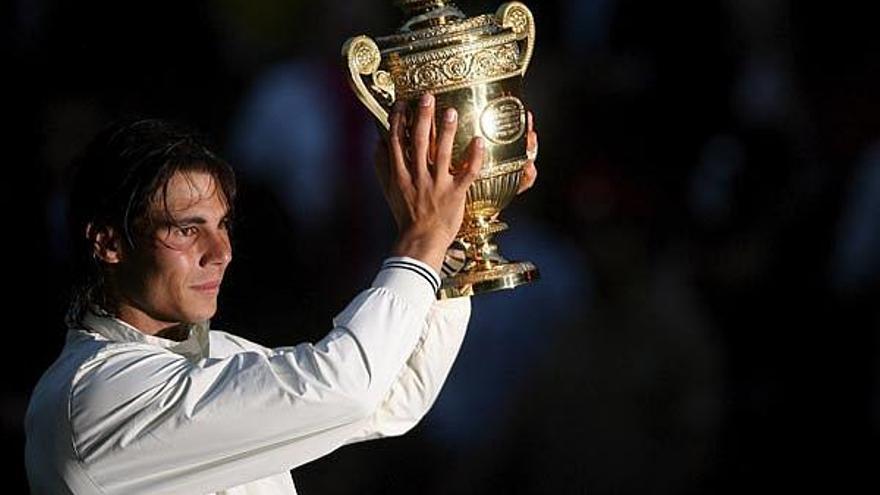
(477, 280)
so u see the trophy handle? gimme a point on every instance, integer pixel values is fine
(362, 57)
(517, 16)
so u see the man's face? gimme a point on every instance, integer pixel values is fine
(175, 273)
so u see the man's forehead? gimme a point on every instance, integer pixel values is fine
(191, 191)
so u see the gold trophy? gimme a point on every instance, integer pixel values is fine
(475, 65)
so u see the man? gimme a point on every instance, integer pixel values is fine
(144, 398)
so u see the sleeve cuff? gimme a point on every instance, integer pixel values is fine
(408, 276)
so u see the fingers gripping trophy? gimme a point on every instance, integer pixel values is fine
(475, 65)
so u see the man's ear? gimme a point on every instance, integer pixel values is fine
(105, 243)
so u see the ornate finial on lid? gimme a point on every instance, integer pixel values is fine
(414, 7)
(421, 13)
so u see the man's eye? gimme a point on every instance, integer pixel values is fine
(187, 231)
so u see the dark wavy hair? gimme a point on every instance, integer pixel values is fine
(114, 182)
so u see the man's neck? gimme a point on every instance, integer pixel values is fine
(179, 332)
(148, 325)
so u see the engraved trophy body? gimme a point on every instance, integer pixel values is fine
(475, 65)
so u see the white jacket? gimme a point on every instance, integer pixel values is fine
(122, 412)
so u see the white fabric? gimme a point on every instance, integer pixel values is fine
(121, 412)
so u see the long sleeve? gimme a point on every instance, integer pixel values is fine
(145, 420)
(419, 383)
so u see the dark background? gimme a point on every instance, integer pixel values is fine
(706, 219)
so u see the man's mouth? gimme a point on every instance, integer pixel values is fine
(212, 286)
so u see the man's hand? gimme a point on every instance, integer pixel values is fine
(426, 198)
(427, 201)
(530, 173)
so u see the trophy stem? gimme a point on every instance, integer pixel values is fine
(481, 251)
(485, 269)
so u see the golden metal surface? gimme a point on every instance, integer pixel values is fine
(475, 65)
(500, 277)
(448, 69)
(363, 58)
(433, 36)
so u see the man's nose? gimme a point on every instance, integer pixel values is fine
(217, 249)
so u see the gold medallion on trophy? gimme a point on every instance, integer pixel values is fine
(475, 65)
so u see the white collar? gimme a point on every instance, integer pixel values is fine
(194, 347)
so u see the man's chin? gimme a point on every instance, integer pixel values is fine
(201, 312)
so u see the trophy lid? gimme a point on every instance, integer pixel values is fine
(426, 13)
(432, 24)
(414, 7)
